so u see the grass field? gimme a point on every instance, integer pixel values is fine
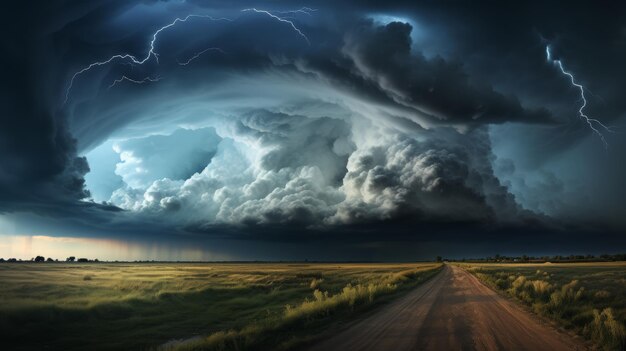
(586, 298)
(59, 306)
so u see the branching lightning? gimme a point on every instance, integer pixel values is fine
(198, 54)
(124, 78)
(596, 126)
(281, 19)
(303, 10)
(95, 64)
(154, 36)
(133, 60)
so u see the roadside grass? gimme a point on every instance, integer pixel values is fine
(587, 298)
(298, 324)
(141, 306)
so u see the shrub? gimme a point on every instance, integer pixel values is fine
(517, 284)
(567, 294)
(606, 331)
(323, 303)
(556, 299)
(541, 287)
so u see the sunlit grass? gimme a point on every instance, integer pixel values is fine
(139, 306)
(587, 298)
(286, 330)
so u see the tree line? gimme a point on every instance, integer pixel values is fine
(49, 259)
(542, 259)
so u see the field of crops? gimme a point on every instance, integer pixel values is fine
(101, 306)
(586, 298)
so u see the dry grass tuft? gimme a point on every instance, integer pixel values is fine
(541, 287)
(606, 331)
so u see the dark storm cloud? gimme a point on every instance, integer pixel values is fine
(479, 65)
(372, 60)
(39, 167)
(40, 170)
(434, 87)
(38, 154)
(505, 43)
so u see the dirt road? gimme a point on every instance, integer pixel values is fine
(452, 311)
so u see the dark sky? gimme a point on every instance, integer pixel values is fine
(389, 130)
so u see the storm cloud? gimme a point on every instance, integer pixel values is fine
(327, 118)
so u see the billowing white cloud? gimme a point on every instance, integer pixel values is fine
(436, 179)
(271, 167)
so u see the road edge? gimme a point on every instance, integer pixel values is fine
(544, 321)
(366, 314)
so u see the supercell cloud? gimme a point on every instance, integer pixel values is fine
(328, 118)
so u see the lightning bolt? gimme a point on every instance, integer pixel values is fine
(304, 10)
(124, 78)
(596, 126)
(280, 19)
(132, 59)
(196, 55)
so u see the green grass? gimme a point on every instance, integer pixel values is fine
(586, 298)
(141, 306)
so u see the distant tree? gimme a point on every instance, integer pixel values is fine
(40, 259)
(1, 259)
(12, 260)
(83, 260)
(438, 258)
(49, 259)
(71, 259)
(96, 260)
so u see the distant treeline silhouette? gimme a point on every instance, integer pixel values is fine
(49, 259)
(495, 258)
(542, 259)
